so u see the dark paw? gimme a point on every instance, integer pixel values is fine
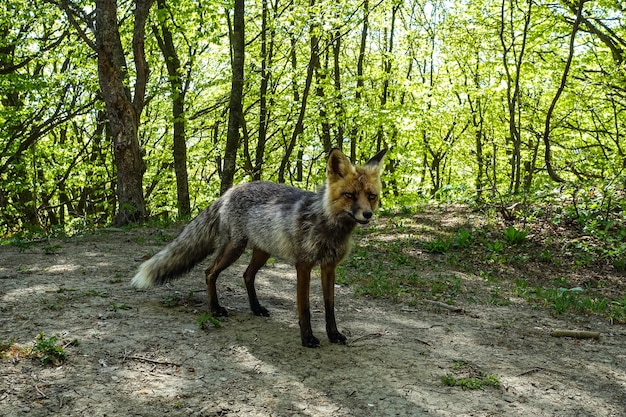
(311, 342)
(337, 338)
(219, 312)
(261, 311)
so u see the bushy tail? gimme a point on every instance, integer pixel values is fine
(198, 240)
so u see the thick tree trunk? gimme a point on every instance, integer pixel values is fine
(123, 111)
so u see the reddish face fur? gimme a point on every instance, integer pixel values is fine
(353, 191)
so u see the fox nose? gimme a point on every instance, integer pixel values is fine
(367, 214)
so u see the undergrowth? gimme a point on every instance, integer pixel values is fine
(543, 256)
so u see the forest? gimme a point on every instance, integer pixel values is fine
(116, 111)
(492, 280)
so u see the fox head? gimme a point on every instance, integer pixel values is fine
(353, 192)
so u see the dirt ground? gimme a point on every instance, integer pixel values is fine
(143, 353)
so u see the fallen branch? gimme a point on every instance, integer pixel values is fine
(40, 392)
(158, 362)
(539, 369)
(578, 334)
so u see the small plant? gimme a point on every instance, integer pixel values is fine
(21, 244)
(438, 245)
(47, 350)
(514, 236)
(445, 288)
(10, 349)
(496, 297)
(96, 293)
(51, 249)
(463, 239)
(471, 383)
(6, 346)
(467, 376)
(545, 255)
(206, 319)
(619, 264)
(496, 246)
(178, 299)
(117, 278)
(119, 306)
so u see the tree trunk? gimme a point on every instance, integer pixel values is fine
(237, 40)
(339, 112)
(513, 89)
(123, 111)
(299, 127)
(546, 132)
(172, 62)
(266, 56)
(380, 136)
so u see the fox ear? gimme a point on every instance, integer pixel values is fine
(338, 164)
(375, 161)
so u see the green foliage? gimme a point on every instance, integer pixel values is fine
(443, 126)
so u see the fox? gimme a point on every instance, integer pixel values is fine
(302, 227)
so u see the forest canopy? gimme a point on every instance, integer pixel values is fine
(112, 112)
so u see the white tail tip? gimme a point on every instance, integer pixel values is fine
(142, 278)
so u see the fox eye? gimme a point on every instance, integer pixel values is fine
(349, 196)
(372, 197)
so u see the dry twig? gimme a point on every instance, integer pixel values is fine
(158, 362)
(578, 334)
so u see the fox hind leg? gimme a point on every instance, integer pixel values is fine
(259, 258)
(229, 254)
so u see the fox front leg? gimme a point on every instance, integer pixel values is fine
(304, 310)
(328, 288)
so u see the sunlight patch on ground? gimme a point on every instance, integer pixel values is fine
(20, 293)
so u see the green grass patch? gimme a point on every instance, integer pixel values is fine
(469, 377)
(563, 299)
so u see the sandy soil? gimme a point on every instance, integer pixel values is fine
(142, 353)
